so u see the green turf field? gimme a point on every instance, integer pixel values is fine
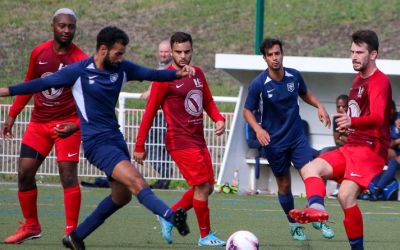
(133, 227)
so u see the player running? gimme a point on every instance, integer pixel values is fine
(96, 83)
(54, 121)
(182, 102)
(281, 132)
(363, 156)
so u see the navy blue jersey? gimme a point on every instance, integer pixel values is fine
(95, 91)
(280, 107)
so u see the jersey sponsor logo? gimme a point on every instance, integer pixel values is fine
(114, 77)
(290, 86)
(355, 175)
(197, 82)
(42, 62)
(72, 154)
(180, 85)
(194, 102)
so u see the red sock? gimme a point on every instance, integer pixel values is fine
(353, 222)
(315, 186)
(28, 203)
(203, 216)
(186, 201)
(72, 204)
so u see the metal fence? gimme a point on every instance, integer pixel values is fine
(129, 120)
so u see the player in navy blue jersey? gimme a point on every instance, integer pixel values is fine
(281, 132)
(96, 83)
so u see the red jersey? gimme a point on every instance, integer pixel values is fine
(182, 102)
(369, 108)
(51, 104)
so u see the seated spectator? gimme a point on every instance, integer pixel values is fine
(339, 137)
(380, 182)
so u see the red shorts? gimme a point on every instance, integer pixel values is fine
(195, 165)
(41, 137)
(357, 163)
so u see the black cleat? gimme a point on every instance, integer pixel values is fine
(72, 242)
(179, 222)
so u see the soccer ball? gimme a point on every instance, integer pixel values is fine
(242, 240)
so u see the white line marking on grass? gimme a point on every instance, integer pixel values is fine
(381, 213)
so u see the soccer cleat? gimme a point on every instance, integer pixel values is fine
(72, 242)
(326, 230)
(211, 240)
(179, 221)
(166, 229)
(23, 233)
(309, 214)
(297, 232)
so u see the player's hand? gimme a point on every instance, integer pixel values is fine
(66, 129)
(219, 128)
(263, 137)
(4, 92)
(186, 71)
(343, 121)
(324, 117)
(6, 129)
(139, 157)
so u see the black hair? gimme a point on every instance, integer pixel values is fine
(110, 35)
(366, 36)
(181, 37)
(268, 43)
(343, 97)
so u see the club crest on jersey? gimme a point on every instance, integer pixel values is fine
(197, 82)
(194, 102)
(290, 86)
(114, 77)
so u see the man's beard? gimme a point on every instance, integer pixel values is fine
(108, 65)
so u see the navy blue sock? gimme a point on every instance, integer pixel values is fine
(287, 204)
(105, 208)
(357, 243)
(154, 204)
(388, 175)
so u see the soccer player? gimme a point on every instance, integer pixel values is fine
(275, 92)
(96, 83)
(363, 156)
(183, 102)
(54, 121)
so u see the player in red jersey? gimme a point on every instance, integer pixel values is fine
(182, 102)
(363, 156)
(54, 121)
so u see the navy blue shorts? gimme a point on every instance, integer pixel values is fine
(106, 151)
(280, 158)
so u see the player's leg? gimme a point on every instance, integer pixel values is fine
(301, 154)
(353, 221)
(67, 150)
(314, 174)
(34, 148)
(127, 174)
(120, 196)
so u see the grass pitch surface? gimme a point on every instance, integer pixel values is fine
(133, 227)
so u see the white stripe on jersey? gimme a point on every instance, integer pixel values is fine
(79, 99)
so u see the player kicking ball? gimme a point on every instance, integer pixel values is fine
(363, 156)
